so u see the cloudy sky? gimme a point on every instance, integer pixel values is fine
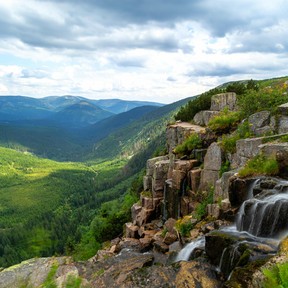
(156, 50)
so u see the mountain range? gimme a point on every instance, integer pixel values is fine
(63, 110)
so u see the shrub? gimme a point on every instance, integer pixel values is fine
(224, 122)
(260, 165)
(265, 99)
(228, 142)
(199, 103)
(184, 225)
(192, 142)
(224, 167)
(200, 210)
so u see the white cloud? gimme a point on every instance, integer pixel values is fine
(160, 51)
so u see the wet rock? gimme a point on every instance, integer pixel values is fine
(196, 274)
(215, 243)
(238, 190)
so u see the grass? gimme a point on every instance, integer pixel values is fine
(225, 122)
(192, 142)
(259, 165)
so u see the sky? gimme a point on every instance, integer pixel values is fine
(152, 50)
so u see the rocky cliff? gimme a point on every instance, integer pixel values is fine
(191, 199)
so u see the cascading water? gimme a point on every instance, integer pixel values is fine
(260, 222)
(186, 252)
(265, 214)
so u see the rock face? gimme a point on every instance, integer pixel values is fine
(31, 273)
(177, 133)
(212, 165)
(223, 100)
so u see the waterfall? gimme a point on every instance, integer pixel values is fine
(265, 214)
(186, 252)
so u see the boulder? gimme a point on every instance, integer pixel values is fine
(223, 100)
(260, 123)
(283, 124)
(194, 177)
(203, 117)
(245, 150)
(238, 190)
(170, 238)
(283, 109)
(161, 246)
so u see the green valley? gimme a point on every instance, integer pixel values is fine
(44, 203)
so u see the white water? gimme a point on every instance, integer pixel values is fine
(186, 252)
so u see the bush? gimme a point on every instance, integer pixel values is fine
(184, 225)
(265, 99)
(200, 210)
(259, 165)
(228, 142)
(192, 142)
(224, 122)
